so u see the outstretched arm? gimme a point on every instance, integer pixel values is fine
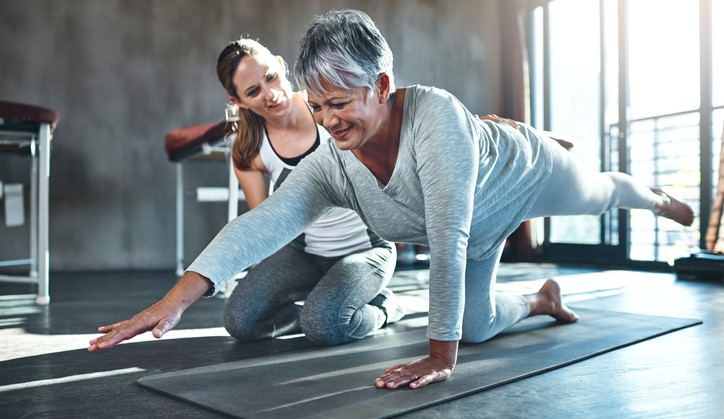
(158, 318)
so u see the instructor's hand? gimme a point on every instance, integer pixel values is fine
(438, 366)
(499, 120)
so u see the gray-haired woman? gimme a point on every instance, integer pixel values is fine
(418, 167)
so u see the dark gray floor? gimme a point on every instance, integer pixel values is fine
(46, 372)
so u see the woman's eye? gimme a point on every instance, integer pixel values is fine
(338, 105)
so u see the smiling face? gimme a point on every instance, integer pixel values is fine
(352, 117)
(261, 86)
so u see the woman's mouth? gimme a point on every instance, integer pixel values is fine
(278, 102)
(340, 134)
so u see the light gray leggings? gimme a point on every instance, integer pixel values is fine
(572, 189)
(335, 292)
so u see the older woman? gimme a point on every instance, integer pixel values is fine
(418, 167)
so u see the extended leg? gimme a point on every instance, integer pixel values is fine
(575, 189)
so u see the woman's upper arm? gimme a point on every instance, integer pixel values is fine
(448, 158)
(253, 183)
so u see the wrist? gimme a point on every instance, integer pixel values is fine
(446, 351)
(189, 289)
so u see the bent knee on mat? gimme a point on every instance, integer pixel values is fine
(321, 334)
(474, 339)
(322, 331)
(239, 327)
(239, 331)
(476, 335)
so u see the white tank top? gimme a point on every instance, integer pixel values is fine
(338, 232)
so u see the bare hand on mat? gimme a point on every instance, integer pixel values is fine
(158, 318)
(438, 366)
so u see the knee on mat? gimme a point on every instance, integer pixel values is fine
(316, 328)
(237, 328)
(478, 335)
(473, 339)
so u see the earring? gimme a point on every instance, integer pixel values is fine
(231, 112)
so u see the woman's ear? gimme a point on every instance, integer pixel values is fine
(282, 63)
(237, 102)
(383, 87)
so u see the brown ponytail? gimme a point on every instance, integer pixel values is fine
(249, 128)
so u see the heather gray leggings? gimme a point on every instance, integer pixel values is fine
(575, 189)
(335, 292)
(572, 189)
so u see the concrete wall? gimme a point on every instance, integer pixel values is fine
(122, 73)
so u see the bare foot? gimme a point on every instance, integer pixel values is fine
(548, 301)
(672, 208)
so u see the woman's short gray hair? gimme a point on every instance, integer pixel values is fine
(345, 48)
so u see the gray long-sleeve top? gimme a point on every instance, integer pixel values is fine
(460, 185)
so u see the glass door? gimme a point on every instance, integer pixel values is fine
(575, 95)
(622, 79)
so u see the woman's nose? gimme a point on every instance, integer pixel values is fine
(269, 94)
(329, 119)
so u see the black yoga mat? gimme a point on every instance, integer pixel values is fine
(338, 381)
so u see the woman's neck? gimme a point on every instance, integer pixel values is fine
(293, 134)
(297, 119)
(379, 154)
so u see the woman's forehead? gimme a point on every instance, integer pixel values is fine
(260, 60)
(330, 93)
(252, 67)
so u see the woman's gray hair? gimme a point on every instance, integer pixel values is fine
(345, 48)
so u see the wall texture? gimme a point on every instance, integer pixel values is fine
(122, 73)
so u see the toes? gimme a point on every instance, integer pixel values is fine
(674, 209)
(567, 315)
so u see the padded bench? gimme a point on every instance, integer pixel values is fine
(196, 140)
(27, 130)
(208, 141)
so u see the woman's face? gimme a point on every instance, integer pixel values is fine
(352, 117)
(262, 86)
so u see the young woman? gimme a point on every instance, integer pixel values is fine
(337, 266)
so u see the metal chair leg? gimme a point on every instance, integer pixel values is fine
(43, 192)
(179, 220)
